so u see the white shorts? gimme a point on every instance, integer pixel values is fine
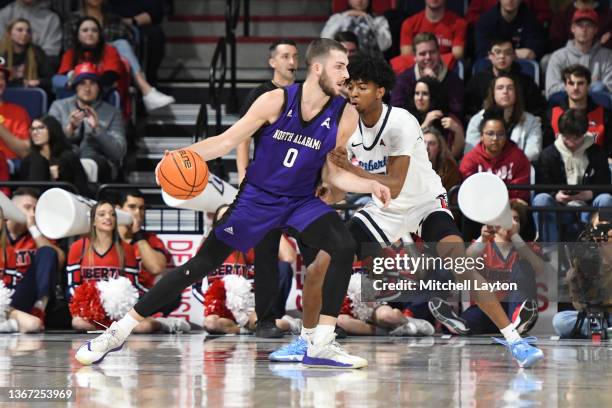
(388, 227)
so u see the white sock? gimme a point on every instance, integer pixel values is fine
(510, 333)
(307, 334)
(9, 326)
(322, 333)
(127, 324)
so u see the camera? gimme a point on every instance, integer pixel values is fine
(588, 278)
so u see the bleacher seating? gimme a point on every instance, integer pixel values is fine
(33, 100)
(600, 98)
(528, 67)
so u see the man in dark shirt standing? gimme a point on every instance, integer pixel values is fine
(284, 61)
(511, 19)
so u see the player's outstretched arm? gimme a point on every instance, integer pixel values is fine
(397, 169)
(265, 109)
(347, 181)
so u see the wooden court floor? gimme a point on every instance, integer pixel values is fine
(233, 371)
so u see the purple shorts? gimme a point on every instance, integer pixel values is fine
(254, 212)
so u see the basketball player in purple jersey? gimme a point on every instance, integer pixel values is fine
(301, 125)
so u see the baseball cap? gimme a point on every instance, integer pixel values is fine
(588, 14)
(85, 70)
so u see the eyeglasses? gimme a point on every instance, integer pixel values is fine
(491, 134)
(37, 128)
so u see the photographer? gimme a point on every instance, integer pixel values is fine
(590, 276)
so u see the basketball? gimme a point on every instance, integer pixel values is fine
(183, 174)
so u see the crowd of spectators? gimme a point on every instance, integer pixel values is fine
(84, 57)
(489, 89)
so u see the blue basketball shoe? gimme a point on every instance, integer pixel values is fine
(523, 352)
(293, 352)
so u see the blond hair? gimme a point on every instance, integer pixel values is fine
(6, 47)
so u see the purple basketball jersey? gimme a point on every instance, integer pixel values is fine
(291, 152)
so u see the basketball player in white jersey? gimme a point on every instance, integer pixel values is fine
(388, 147)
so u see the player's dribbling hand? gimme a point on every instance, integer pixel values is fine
(381, 192)
(166, 152)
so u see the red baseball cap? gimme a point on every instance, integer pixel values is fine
(588, 14)
(85, 70)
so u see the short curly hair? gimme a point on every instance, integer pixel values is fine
(370, 69)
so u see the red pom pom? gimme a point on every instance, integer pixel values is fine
(214, 301)
(347, 307)
(86, 304)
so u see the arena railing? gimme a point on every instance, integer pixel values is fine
(216, 83)
(544, 188)
(13, 185)
(172, 220)
(246, 23)
(232, 17)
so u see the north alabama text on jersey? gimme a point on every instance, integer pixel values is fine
(297, 139)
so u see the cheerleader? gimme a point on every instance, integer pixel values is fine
(359, 317)
(11, 319)
(102, 275)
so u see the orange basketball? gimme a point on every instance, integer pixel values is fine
(183, 174)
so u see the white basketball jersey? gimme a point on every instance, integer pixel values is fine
(397, 133)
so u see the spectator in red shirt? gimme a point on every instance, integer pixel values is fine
(90, 46)
(116, 33)
(577, 80)
(498, 155)
(14, 124)
(447, 26)
(478, 7)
